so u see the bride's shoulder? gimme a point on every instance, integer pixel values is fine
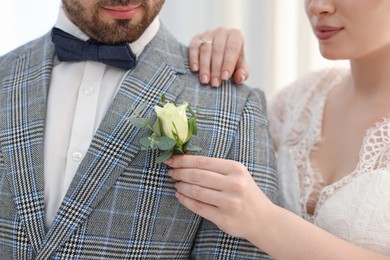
(318, 80)
(312, 84)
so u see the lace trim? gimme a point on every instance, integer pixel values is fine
(374, 155)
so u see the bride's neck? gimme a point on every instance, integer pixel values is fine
(371, 73)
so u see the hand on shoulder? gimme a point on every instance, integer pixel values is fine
(219, 55)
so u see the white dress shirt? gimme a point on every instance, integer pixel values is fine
(80, 94)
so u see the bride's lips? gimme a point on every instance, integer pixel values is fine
(325, 32)
(122, 12)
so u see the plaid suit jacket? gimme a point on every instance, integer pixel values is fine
(121, 204)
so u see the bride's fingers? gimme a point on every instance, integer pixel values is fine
(217, 57)
(198, 177)
(205, 54)
(220, 166)
(241, 72)
(200, 51)
(201, 194)
(240, 75)
(204, 210)
(234, 44)
(194, 53)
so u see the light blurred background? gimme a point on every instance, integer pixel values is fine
(279, 46)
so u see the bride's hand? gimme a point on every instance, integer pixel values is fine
(219, 190)
(218, 55)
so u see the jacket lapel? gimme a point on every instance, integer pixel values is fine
(115, 144)
(22, 116)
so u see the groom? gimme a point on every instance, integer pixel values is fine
(74, 183)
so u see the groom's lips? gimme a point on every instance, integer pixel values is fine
(122, 12)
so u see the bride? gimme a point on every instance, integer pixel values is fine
(331, 132)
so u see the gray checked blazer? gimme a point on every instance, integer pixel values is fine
(121, 204)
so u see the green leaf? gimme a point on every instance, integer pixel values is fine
(137, 122)
(153, 144)
(189, 131)
(161, 130)
(193, 148)
(177, 150)
(164, 156)
(162, 97)
(175, 134)
(165, 143)
(195, 130)
(149, 143)
(189, 135)
(193, 126)
(145, 142)
(140, 107)
(191, 111)
(157, 127)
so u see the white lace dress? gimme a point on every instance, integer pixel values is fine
(355, 208)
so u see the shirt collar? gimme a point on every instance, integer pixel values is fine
(65, 24)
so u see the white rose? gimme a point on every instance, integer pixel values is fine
(170, 117)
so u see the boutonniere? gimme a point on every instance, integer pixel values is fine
(172, 130)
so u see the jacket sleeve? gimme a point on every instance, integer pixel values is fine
(252, 146)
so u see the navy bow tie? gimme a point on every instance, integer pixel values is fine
(70, 48)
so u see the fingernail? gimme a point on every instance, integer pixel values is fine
(168, 161)
(205, 79)
(225, 75)
(170, 173)
(215, 82)
(243, 78)
(195, 67)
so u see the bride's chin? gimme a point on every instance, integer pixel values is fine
(332, 54)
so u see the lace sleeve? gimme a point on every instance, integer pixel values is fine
(295, 98)
(278, 112)
(278, 106)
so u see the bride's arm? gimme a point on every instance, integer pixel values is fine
(224, 192)
(285, 235)
(219, 55)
